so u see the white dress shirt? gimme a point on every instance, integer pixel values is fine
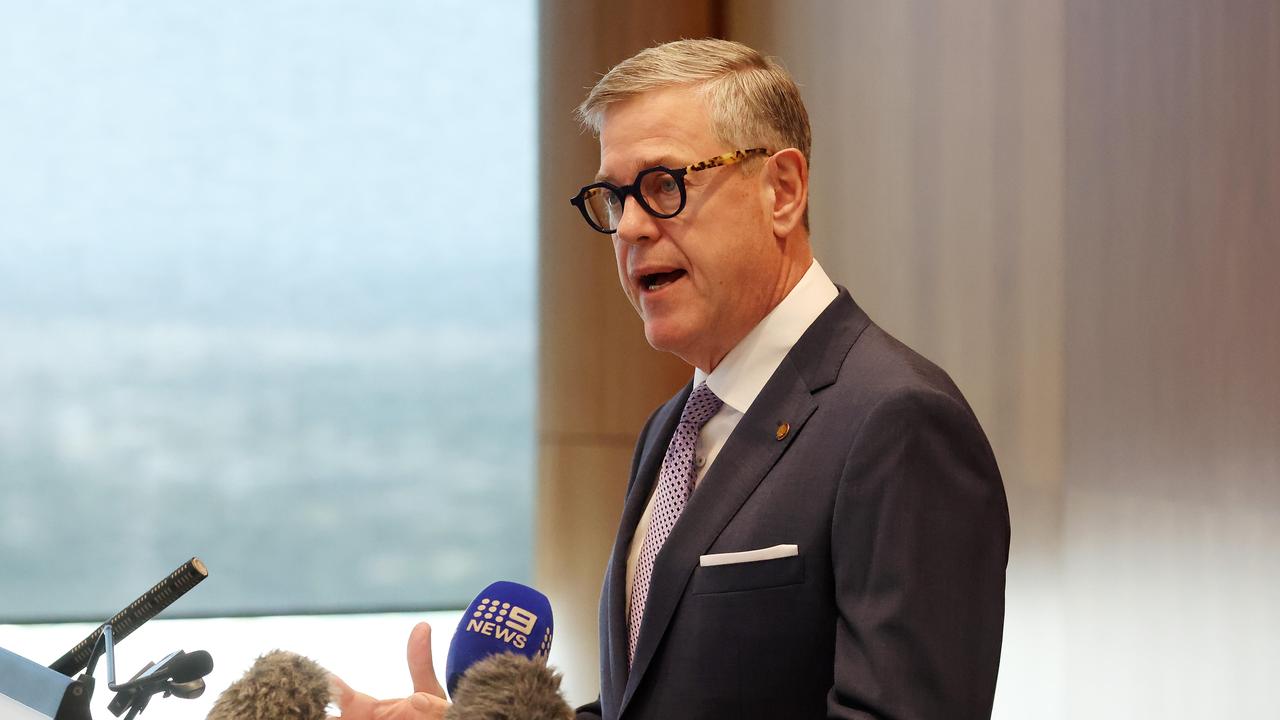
(742, 374)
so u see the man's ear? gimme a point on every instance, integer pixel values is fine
(788, 177)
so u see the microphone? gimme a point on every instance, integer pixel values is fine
(509, 687)
(504, 686)
(507, 620)
(179, 667)
(139, 611)
(279, 685)
(179, 673)
(505, 617)
(190, 666)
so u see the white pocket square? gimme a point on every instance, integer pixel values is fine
(746, 556)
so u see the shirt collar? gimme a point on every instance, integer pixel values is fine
(742, 374)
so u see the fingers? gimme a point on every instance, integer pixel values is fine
(421, 667)
(339, 691)
(428, 706)
(421, 705)
(354, 705)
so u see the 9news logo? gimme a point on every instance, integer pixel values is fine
(509, 623)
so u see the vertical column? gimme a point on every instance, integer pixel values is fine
(597, 378)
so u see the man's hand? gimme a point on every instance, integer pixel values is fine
(426, 703)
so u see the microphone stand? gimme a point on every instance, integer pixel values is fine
(134, 695)
(75, 701)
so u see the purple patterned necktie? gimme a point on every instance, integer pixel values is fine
(675, 484)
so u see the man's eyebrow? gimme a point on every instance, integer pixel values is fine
(663, 160)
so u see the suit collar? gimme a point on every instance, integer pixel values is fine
(750, 452)
(821, 351)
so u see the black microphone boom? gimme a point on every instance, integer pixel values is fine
(139, 611)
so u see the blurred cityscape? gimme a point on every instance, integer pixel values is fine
(253, 309)
(310, 469)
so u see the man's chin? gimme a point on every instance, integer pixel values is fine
(669, 338)
(664, 335)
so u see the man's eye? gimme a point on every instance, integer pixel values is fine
(668, 185)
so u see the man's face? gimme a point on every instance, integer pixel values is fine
(703, 279)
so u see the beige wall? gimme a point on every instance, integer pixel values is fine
(1172, 542)
(937, 194)
(1074, 207)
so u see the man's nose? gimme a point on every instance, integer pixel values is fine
(636, 225)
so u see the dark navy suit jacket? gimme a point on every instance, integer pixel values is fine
(894, 606)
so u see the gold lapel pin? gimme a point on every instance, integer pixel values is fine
(783, 429)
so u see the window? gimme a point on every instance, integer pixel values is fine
(260, 302)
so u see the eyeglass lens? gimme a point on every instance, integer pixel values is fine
(659, 194)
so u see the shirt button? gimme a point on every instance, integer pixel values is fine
(699, 461)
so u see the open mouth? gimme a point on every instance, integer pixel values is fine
(659, 280)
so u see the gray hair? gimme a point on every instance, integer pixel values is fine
(752, 100)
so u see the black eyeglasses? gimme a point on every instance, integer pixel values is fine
(659, 190)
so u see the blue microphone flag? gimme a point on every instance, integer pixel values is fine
(504, 617)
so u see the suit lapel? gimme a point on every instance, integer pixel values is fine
(743, 462)
(746, 458)
(652, 452)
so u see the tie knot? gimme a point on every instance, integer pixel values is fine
(700, 406)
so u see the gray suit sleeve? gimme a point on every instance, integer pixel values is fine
(920, 542)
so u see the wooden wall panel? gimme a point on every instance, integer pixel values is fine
(598, 379)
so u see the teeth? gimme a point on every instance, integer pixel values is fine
(655, 281)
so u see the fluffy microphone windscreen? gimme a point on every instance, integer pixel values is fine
(509, 687)
(279, 686)
(505, 617)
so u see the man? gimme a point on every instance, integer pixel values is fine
(852, 465)
(815, 526)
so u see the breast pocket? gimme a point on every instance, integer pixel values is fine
(741, 577)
